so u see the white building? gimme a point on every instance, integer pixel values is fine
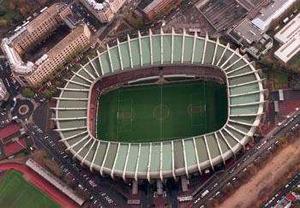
(46, 64)
(3, 91)
(289, 37)
(104, 11)
(271, 12)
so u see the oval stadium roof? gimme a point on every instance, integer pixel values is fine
(158, 160)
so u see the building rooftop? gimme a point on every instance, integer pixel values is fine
(248, 31)
(80, 29)
(50, 11)
(8, 131)
(289, 30)
(271, 12)
(289, 36)
(289, 49)
(152, 5)
(144, 4)
(98, 5)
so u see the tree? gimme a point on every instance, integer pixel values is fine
(27, 92)
(53, 167)
(68, 180)
(228, 189)
(48, 93)
(296, 190)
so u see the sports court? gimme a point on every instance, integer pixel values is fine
(156, 112)
(15, 192)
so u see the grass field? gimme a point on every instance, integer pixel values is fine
(15, 192)
(150, 113)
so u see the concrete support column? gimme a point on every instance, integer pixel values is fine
(184, 184)
(159, 186)
(135, 188)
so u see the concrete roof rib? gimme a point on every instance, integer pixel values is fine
(245, 108)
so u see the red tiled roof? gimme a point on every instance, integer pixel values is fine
(8, 131)
(14, 147)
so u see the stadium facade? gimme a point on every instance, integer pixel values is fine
(75, 112)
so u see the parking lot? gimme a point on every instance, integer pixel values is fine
(190, 19)
(283, 191)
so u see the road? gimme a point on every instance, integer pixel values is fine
(283, 191)
(230, 175)
(5, 73)
(102, 195)
(4, 118)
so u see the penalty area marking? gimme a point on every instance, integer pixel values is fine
(124, 116)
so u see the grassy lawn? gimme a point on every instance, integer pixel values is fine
(280, 79)
(15, 192)
(295, 62)
(161, 112)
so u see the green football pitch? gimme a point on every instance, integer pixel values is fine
(151, 113)
(15, 192)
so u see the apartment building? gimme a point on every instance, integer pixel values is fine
(38, 29)
(59, 55)
(54, 46)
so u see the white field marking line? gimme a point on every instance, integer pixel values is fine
(192, 104)
(131, 114)
(205, 116)
(161, 124)
(118, 114)
(97, 117)
(191, 96)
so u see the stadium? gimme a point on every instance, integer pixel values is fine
(160, 105)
